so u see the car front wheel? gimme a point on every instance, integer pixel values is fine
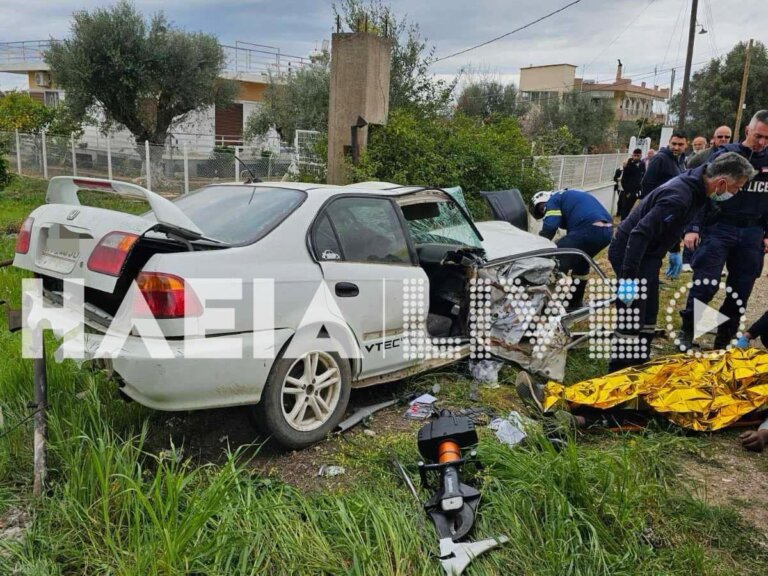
(304, 398)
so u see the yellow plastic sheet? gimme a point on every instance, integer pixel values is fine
(702, 394)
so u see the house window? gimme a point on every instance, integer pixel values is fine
(51, 99)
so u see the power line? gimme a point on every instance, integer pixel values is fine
(508, 33)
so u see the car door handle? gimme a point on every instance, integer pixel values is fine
(346, 290)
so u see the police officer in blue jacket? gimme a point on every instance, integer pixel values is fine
(588, 225)
(643, 239)
(736, 236)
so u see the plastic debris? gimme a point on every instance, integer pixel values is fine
(424, 399)
(418, 411)
(510, 430)
(703, 394)
(485, 371)
(369, 432)
(329, 471)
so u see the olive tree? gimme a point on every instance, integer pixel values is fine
(142, 74)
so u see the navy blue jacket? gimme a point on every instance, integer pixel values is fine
(663, 167)
(657, 223)
(572, 210)
(751, 203)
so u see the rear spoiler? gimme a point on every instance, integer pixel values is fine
(64, 189)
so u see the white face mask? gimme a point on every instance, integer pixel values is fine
(723, 197)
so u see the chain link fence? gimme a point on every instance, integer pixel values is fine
(174, 169)
(586, 171)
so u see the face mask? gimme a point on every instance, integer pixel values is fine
(723, 197)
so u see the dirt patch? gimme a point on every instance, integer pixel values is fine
(725, 474)
(13, 523)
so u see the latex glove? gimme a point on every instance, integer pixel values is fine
(675, 265)
(742, 343)
(628, 290)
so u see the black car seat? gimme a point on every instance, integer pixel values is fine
(509, 206)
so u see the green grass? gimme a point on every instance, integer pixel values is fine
(604, 505)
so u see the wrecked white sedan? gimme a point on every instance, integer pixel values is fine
(285, 296)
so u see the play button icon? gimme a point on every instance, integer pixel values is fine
(705, 318)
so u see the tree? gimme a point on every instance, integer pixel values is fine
(300, 101)
(587, 119)
(19, 111)
(142, 75)
(439, 151)
(714, 90)
(486, 98)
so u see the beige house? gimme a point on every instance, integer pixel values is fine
(251, 65)
(630, 101)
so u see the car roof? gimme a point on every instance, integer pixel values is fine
(377, 188)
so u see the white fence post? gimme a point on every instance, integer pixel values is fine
(584, 172)
(237, 167)
(45, 156)
(602, 166)
(562, 170)
(186, 169)
(74, 156)
(109, 156)
(146, 158)
(269, 166)
(18, 153)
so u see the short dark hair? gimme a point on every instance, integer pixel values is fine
(679, 134)
(637, 151)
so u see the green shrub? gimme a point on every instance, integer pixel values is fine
(460, 151)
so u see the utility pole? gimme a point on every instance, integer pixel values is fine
(743, 94)
(671, 91)
(688, 60)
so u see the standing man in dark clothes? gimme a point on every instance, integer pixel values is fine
(737, 236)
(641, 241)
(589, 228)
(631, 177)
(666, 164)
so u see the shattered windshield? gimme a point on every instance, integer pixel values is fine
(442, 222)
(239, 214)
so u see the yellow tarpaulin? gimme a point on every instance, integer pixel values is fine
(702, 394)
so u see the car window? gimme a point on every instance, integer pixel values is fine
(239, 214)
(368, 230)
(326, 243)
(441, 222)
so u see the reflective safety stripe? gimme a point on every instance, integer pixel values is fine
(553, 213)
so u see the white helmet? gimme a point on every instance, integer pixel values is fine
(540, 197)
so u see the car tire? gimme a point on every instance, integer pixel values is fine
(298, 409)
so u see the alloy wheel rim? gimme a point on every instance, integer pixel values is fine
(310, 391)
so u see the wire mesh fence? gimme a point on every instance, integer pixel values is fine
(175, 168)
(584, 171)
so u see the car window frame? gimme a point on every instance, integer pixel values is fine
(310, 238)
(464, 212)
(269, 230)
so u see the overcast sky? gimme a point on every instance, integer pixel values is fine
(645, 34)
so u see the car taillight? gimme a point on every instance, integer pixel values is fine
(110, 253)
(166, 297)
(24, 237)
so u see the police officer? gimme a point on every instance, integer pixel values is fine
(737, 236)
(647, 234)
(587, 223)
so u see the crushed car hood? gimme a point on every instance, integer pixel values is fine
(501, 239)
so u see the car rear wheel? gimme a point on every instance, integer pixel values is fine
(304, 398)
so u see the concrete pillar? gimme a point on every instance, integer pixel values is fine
(360, 65)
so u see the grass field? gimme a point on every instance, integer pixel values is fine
(139, 492)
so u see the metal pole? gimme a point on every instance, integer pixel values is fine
(688, 60)
(74, 156)
(562, 170)
(602, 167)
(109, 155)
(237, 172)
(41, 424)
(45, 157)
(18, 153)
(269, 166)
(146, 159)
(671, 91)
(743, 95)
(584, 172)
(186, 170)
